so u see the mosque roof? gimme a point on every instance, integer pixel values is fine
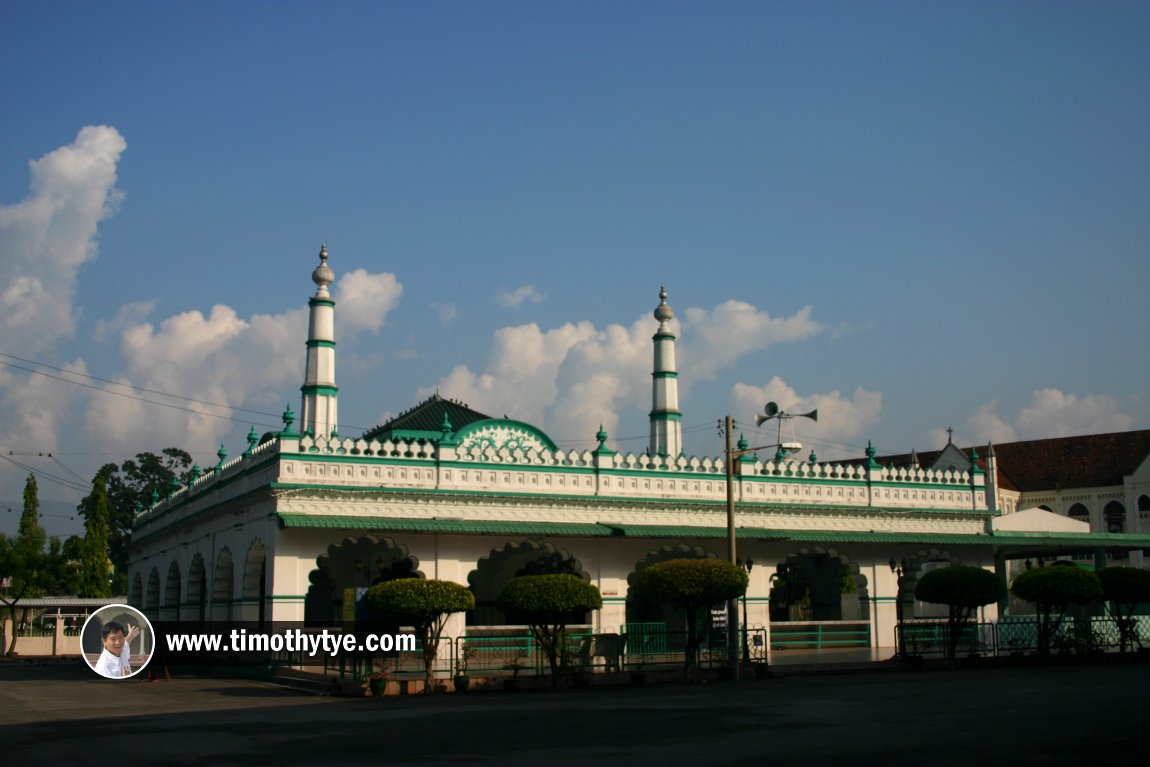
(425, 420)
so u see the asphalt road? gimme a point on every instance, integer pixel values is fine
(1018, 716)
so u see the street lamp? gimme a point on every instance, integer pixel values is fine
(899, 640)
(746, 565)
(772, 411)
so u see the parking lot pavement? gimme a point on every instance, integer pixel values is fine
(1051, 715)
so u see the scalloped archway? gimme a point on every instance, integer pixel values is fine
(818, 584)
(494, 571)
(346, 570)
(669, 615)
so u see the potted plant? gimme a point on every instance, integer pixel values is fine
(462, 680)
(375, 682)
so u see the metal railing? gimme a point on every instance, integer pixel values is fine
(1019, 635)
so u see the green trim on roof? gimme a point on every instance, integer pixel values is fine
(1088, 540)
(459, 526)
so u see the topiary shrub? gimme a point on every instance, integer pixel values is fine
(1052, 589)
(963, 589)
(694, 585)
(422, 604)
(1125, 588)
(544, 602)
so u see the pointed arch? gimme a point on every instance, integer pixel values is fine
(253, 595)
(152, 597)
(196, 601)
(223, 586)
(172, 585)
(137, 598)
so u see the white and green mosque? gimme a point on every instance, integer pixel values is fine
(295, 527)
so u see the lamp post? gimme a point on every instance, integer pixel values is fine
(772, 411)
(747, 565)
(900, 642)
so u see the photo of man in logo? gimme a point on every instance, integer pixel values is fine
(117, 641)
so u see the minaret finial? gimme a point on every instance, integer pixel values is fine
(663, 312)
(323, 275)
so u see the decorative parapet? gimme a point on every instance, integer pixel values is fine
(485, 467)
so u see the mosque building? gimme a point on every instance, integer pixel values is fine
(298, 525)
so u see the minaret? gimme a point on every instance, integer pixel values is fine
(666, 428)
(318, 416)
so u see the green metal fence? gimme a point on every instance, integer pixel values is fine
(1020, 635)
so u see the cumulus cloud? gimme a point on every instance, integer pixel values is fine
(365, 299)
(227, 360)
(513, 299)
(35, 408)
(716, 339)
(127, 316)
(1050, 413)
(51, 233)
(842, 418)
(571, 378)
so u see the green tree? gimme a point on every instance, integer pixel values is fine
(1125, 588)
(546, 603)
(94, 559)
(24, 563)
(694, 585)
(963, 589)
(1053, 589)
(423, 604)
(131, 486)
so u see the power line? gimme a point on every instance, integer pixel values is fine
(110, 382)
(275, 423)
(71, 485)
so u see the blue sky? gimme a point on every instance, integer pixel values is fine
(909, 215)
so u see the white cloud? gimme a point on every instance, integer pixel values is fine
(224, 359)
(1051, 413)
(364, 300)
(716, 339)
(513, 299)
(572, 378)
(35, 407)
(127, 316)
(51, 233)
(841, 419)
(524, 366)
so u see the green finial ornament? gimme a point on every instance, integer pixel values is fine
(974, 467)
(289, 419)
(253, 438)
(222, 454)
